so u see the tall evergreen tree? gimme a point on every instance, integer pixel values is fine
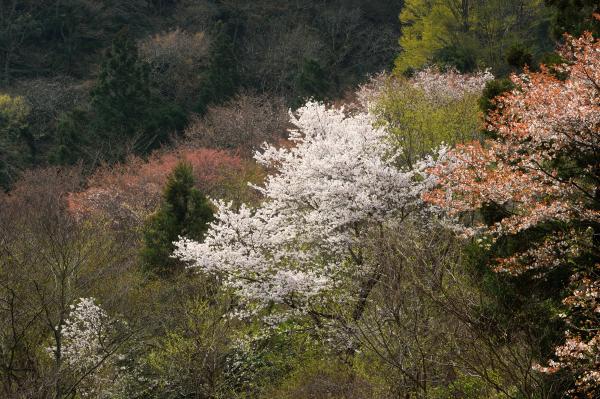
(126, 110)
(221, 79)
(121, 98)
(311, 81)
(184, 212)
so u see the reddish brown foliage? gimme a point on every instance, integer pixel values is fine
(544, 170)
(129, 192)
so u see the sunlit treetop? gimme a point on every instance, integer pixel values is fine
(544, 171)
(304, 240)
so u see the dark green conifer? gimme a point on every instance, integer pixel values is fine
(121, 98)
(493, 89)
(126, 110)
(311, 81)
(221, 79)
(184, 212)
(574, 17)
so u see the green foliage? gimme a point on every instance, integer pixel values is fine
(419, 123)
(258, 363)
(71, 139)
(221, 80)
(492, 90)
(468, 387)
(76, 30)
(15, 138)
(125, 111)
(183, 212)
(17, 24)
(551, 60)
(189, 360)
(470, 35)
(311, 81)
(519, 56)
(517, 308)
(321, 377)
(13, 116)
(287, 362)
(121, 97)
(574, 17)
(460, 56)
(425, 26)
(165, 119)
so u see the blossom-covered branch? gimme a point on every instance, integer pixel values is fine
(544, 171)
(305, 240)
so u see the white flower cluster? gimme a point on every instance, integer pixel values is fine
(451, 84)
(84, 334)
(338, 177)
(86, 346)
(440, 87)
(369, 93)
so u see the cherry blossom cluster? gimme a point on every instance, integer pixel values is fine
(581, 352)
(543, 169)
(439, 86)
(538, 123)
(546, 255)
(84, 333)
(369, 93)
(304, 241)
(87, 345)
(450, 84)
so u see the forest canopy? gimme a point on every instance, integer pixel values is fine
(217, 199)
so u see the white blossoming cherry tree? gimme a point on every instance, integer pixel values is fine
(301, 252)
(88, 348)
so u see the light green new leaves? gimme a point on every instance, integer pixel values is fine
(418, 123)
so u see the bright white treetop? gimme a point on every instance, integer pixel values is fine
(85, 333)
(88, 347)
(304, 240)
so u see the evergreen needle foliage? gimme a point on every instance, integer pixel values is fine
(122, 95)
(184, 212)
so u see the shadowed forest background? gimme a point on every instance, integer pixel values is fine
(299, 199)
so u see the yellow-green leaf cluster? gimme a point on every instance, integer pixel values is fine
(13, 114)
(419, 124)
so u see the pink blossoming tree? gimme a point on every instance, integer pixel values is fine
(543, 170)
